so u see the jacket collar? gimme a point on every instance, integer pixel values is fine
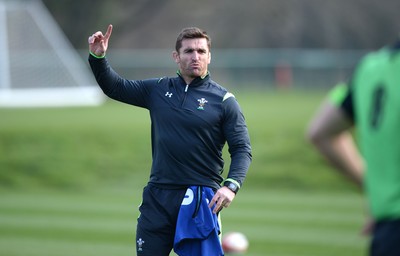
(198, 80)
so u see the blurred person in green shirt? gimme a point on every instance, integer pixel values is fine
(369, 103)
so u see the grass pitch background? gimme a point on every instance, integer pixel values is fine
(71, 181)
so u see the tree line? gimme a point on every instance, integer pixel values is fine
(341, 24)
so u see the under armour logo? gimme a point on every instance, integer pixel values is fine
(168, 94)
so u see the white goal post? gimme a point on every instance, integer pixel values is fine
(38, 65)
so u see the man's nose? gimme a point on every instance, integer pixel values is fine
(195, 55)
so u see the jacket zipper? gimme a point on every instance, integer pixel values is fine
(184, 97)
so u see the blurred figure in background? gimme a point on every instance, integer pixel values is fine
(369, 102)
(192, 117)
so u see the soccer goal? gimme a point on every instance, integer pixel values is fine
(38, 65)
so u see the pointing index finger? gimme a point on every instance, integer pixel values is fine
(109, 31)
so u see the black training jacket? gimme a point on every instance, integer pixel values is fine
(189, 126)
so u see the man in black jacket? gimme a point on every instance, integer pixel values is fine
(192, 117)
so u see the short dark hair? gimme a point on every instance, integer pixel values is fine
(191, 33)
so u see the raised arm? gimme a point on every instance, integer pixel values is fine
(133, 92)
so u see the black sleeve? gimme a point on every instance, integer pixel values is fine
(238, 139)
(134, 92)
(347, 102)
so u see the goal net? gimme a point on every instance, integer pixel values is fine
(38, 65)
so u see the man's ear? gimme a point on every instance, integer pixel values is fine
(175, 56)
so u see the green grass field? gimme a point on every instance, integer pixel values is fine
(71, 181)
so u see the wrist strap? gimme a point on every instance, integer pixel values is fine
(233, 181)
(232, 185)
(97, 57)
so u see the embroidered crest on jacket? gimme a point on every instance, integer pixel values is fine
(202, 102)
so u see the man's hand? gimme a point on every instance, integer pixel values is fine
(222, 199)
(98, 43)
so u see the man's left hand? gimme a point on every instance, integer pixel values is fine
(222, 199)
